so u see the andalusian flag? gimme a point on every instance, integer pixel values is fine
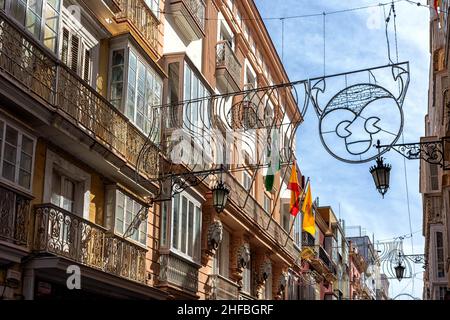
(309, 224)
(436, 5)
(295, 192)
(274, 162)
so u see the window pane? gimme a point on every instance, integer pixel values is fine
(33, 23)
(56, 189)
(175, 221)
(164, 213)
(143, 230)
(128, 212)
(10, 156)
(2, 127)
(68, 195)
(117, 73)
(120, 210)
(190, 240)
(183, 224)
(131, 94)
(197, 233)
(18, 8)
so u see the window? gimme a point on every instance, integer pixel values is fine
(117, 77)
(222, 258)
(434, 177)
(126, 211)
(440, 255)
(247, 279)
(76, 54)
(16, 156)
(144, 90)
(154, 6)
(246, 180)
(63, 191)
(286, 216)
(442, 292)
(268, 288)
(38, 14)
(267, 203)
(186, 226)
(196, 117)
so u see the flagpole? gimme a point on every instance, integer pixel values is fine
(295, 218)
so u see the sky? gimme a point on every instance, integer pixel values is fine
(356, 40)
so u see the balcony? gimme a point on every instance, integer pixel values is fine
(67, 235)
(257, 215)
(222, 288)
(179, 272)
(141, 18)
(228, 68)
(35, 72)
(189, 18)
(323, 256)
(307, 240)
(14, 217)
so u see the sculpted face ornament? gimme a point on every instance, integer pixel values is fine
(266, 269)
(244, 255)
(361, 113)
(215, 235)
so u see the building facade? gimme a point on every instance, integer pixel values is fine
(434, 181)
(79, 82)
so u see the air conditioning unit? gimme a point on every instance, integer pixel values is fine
(13, 278)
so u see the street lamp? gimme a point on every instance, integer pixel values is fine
(381, 174)
(220, 196)
(399, 271)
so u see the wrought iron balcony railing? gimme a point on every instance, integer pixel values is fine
(141, 17)
(198, 9)
(177, 271)
(227, 60)
(222, 288)
(67, 235)
(14, 217)
(189, 16)
(38, 73)
(256, 213)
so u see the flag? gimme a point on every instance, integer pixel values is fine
(309, 224)
(295, 192)
(436, 5)
(274, 163)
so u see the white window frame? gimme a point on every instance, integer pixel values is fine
(41, 39)
(196, 256)
(127, 46)
(87, 42)
(111, 205)
(21, 134)
(81, 177)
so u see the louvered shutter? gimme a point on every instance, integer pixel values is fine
(75, 51)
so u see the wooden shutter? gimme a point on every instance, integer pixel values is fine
(75, 51)
(65, 46)
(87, 65)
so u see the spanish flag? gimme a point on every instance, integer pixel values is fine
(436, 5)
(295, 191)
(309, 224)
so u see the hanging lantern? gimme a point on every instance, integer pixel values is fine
(399, 271)
(381, 174)
(220, 196)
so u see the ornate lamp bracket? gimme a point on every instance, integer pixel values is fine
(432, 152)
